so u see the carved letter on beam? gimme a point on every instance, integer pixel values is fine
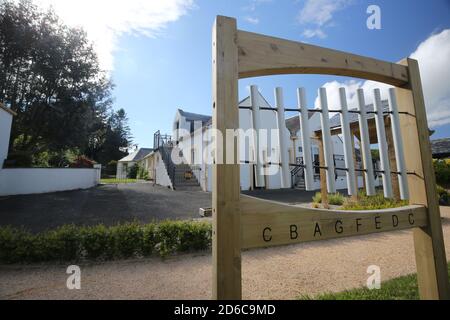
(267, 223)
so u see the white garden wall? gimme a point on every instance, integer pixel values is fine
(5, 130)
(42, 180)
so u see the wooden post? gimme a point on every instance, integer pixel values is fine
(352, 136)
(226, 242)
(428, 241)
(265, 166)
(392, 160)
(323, 178)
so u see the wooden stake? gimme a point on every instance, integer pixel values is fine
(323, 178)
(226, 246)
(431, 261)
(392, 160)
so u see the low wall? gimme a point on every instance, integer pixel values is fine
(42, 180)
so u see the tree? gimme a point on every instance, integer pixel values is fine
(50, 76)
(111, 141)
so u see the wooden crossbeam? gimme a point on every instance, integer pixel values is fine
(267, 223)
(261, 55)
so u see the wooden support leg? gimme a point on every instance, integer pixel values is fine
(392, 160)
(428, 241)
(226, 242)
(323, 178)
(355, 196)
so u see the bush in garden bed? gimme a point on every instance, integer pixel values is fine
(375, 202)
(72, 243)
(333, 198)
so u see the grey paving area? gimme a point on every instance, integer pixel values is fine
(107, 204)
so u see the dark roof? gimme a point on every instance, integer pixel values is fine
(137, 155)
(293, 123)
(335, 121)
(440, 146)
(189, 116)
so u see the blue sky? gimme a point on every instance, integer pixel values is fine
(157, 73)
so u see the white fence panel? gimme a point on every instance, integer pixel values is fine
(305, 136)
(347, 136)
(326, 138)
(382, 144)
(365, 144)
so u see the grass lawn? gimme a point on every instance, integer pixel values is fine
(113, 181)
(402, 288)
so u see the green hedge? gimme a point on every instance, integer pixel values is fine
(72, 243)
(442, 171)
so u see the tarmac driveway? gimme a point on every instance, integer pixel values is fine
(107, 204)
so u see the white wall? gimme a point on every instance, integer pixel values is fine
(5, 131)
(161, 176)
(42, 180)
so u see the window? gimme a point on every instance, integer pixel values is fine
(300, 149)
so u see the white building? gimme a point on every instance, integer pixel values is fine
(192, 135)
(124, 164)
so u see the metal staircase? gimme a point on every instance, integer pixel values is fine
(181, 175)
(298, 176)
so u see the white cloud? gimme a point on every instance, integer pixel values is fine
(319, 13)
(434, 58)
(254, 4)
(106, 20)
(311, 33)
(252, 20)
(433, 55)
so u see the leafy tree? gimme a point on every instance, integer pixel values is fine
(50, 76)
(112, 140)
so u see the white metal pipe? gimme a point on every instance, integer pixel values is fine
(398, 145)
(365, 144)
(282, 138)
(256, 117)
(382, 144)
(348, 154)
(306, 142)
(327, 144)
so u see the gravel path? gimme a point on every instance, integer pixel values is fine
(274, 273)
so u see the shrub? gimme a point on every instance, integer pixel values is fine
(375, 202)
(317, 198)
(15, 245)
(148, 239)
(127, 240)
(110, 169)
(142, 173)
(333, 198)
(442, 171)
(82, 162)
(132, 171)
(97, 242)
(443, 196)
(71, 243)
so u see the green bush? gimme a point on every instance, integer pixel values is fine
(133, 171)
(442, 171)
(71, 243)
(375, 202)
(333, 198)
(97, 242)
(443, 196)
(142, 173)
(127, 240)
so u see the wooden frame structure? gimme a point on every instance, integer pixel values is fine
(241, 222)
